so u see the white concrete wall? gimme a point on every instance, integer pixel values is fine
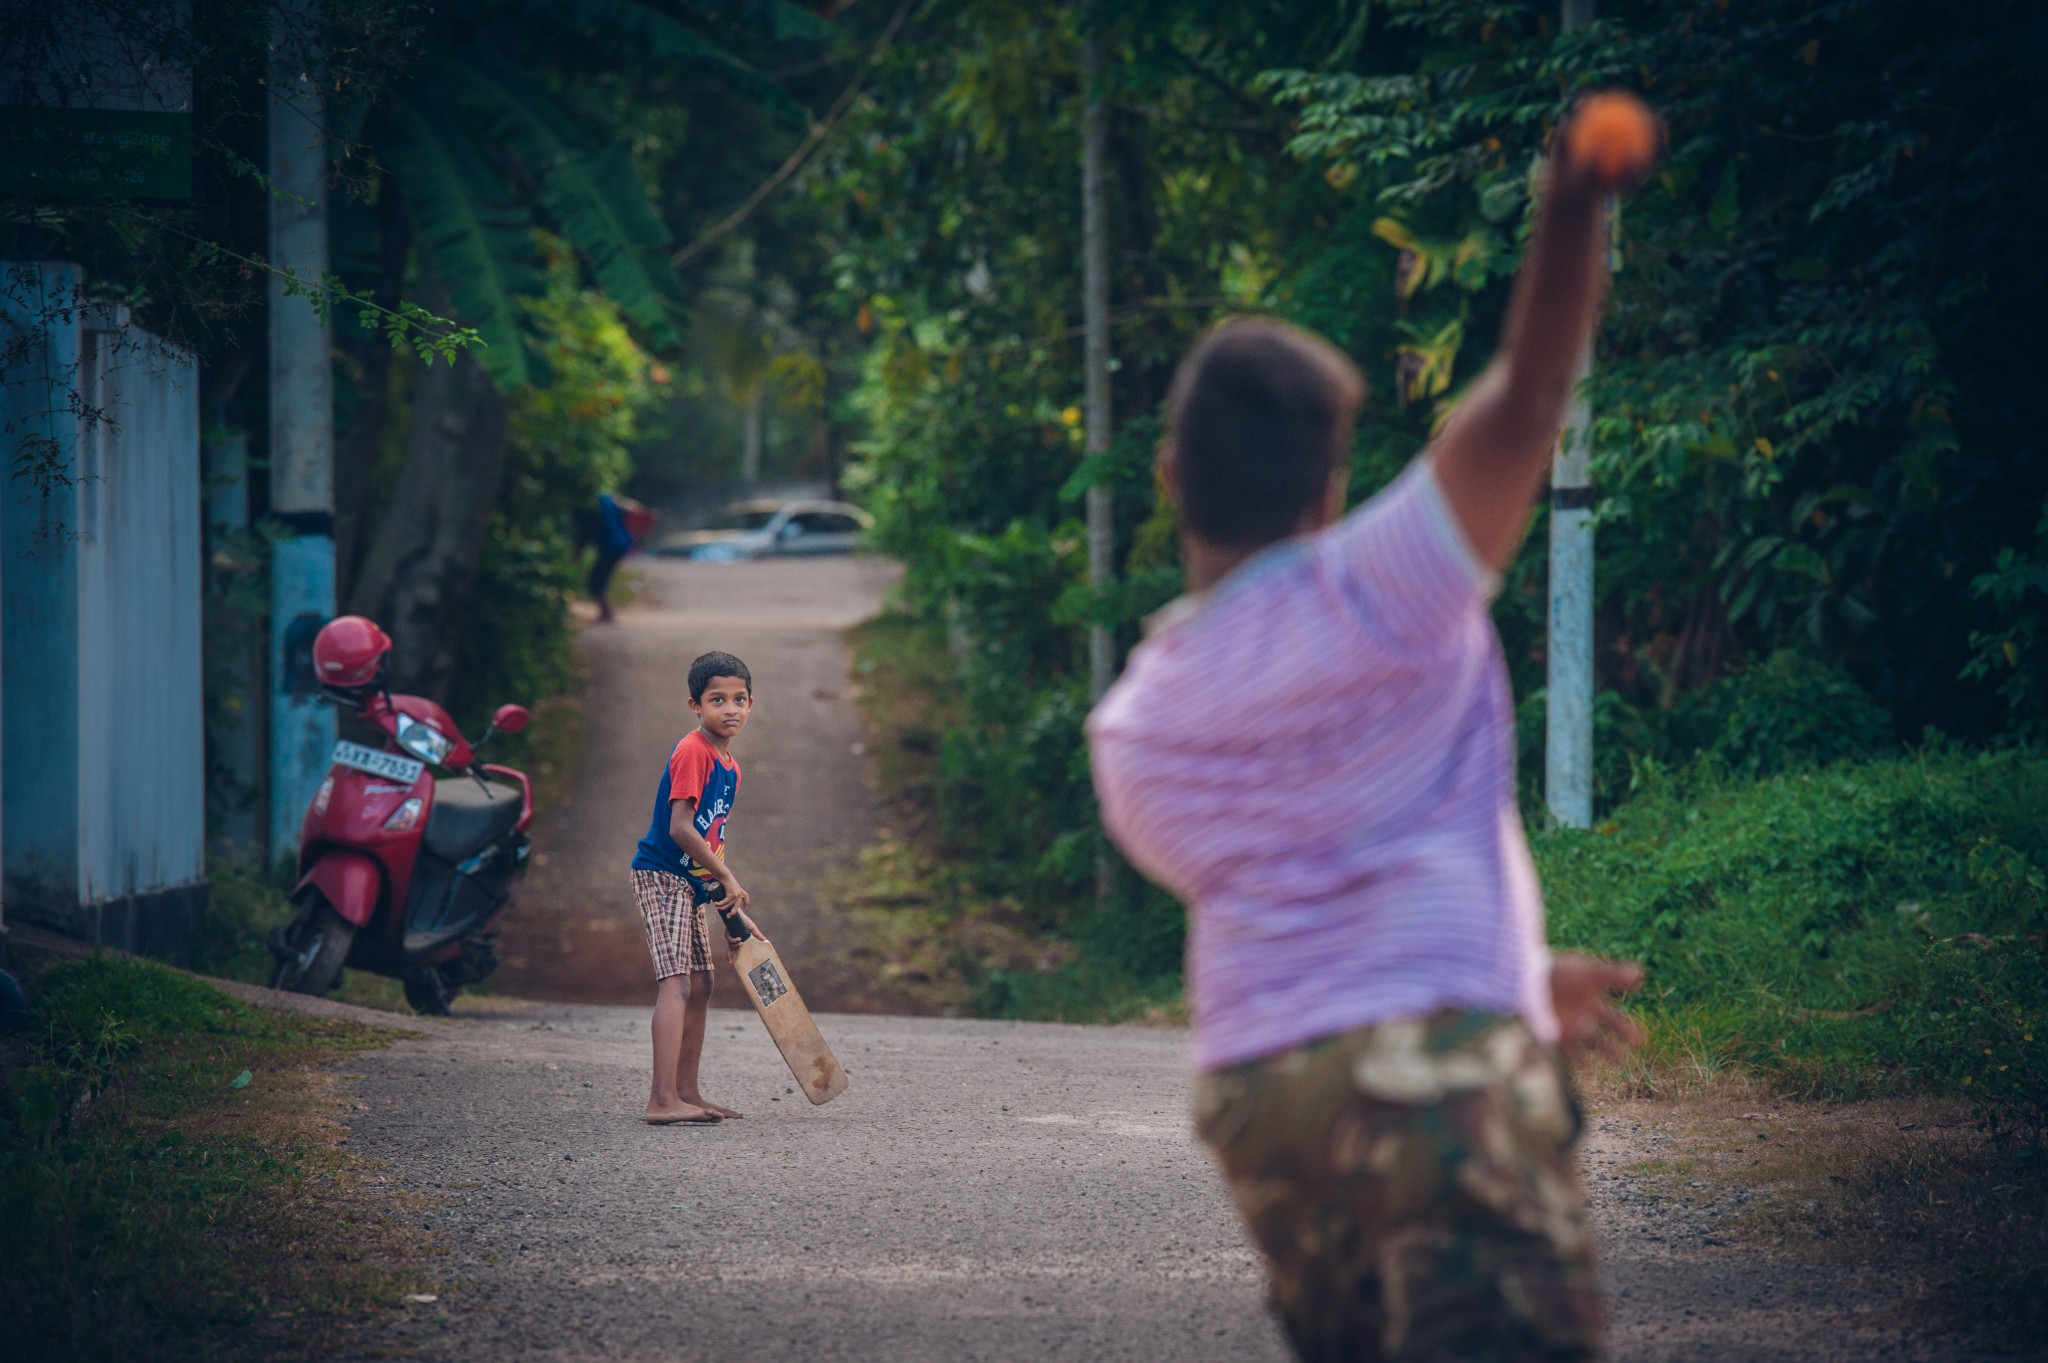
(142, 747)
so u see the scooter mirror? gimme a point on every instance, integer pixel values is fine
(510, 719)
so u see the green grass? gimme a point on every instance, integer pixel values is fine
(1820, 927)
(1859, 930)
(157, 1203)
(244, 901)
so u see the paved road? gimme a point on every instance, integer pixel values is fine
(983, 1191)
(805, 805)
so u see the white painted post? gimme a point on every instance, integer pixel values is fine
(1568, 737)
(1568, 740)
(301, 429)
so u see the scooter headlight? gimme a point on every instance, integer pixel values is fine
(405, 816)
(423, 741)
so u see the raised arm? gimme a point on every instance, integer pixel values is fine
(1492, 457)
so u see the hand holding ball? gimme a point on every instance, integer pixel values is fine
(1613, 136)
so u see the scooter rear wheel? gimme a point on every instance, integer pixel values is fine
(319, 944)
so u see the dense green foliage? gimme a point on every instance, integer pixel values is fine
(953, 209)
(533, 171)
(570, 440)
(1814, 463)
(1807, 424)
(503, 123)
(1789, 922)
(158, 1194)
(1788, 710)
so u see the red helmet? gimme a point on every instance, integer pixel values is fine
(350, 651)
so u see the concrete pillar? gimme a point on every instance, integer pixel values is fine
(302, 731)
(39, 591)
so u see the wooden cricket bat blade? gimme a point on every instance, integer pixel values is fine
(811, 1062)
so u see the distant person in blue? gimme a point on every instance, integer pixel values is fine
(614, 528)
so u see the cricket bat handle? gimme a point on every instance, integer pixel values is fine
(735, 926)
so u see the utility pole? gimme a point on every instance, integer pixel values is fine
(301, 450)
(1568, 740)
(1095, 366)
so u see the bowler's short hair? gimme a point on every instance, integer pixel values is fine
(717, 665)
(1260, 414)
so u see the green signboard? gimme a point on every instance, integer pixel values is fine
(95, 153)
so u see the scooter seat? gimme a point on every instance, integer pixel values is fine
(465, 820)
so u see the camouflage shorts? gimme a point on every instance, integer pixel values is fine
(1412, 1186)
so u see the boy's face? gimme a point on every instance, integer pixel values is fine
(724, 707)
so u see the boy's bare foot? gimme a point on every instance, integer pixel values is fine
(679, 1113)
(701, 1101)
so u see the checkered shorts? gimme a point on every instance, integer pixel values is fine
(676, 935)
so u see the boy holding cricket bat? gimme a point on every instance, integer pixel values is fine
(1315, 752)
(679, 868)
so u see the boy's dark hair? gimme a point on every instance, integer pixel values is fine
(717, 665)
(1259, 415)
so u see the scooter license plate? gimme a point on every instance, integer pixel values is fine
(389, 765)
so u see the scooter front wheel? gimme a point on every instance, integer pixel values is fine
(318, 944)
(428, 993)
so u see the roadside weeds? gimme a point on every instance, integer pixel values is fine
(175, 1182)
(927, 933)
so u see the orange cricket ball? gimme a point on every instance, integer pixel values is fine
(1615, 135)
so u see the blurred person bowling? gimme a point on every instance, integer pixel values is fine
(1314, 750)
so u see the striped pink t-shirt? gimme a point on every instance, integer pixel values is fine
(1317, 756)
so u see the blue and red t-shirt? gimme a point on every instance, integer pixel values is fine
(614, 537)
(696, 771)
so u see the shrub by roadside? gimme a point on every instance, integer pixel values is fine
(1787, 924)
(1014, 921)
(1870, 929)
(171, 1185)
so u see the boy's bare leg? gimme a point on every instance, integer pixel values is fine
(664, 1104)
(696, 1020)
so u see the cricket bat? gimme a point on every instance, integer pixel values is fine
(782, 1011)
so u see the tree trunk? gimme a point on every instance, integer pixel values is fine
(368, 354)
(1096, 394)
(1140, 384)
(750, 450)
(1706, 649)
(422, 559)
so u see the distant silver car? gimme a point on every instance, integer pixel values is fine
(762, 529)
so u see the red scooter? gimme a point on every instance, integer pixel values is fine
(400, 873)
